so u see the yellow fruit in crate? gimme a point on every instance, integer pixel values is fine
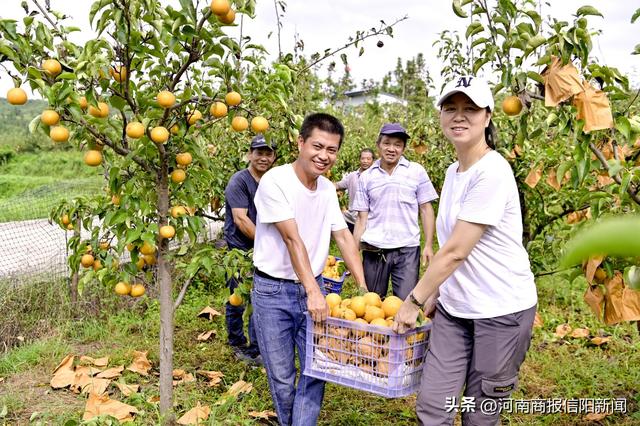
(348, 314)
(359, 333)
(380, 322)
(390, 305)
(373, 312)
(345, 303)
(331, 260)
(382, 366)
(358, 305)
(333, 299)
(367, 347)
(337, 311)
(389, 322)
(372, 299)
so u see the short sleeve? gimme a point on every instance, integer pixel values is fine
(335, 214)
(344, 182)
(486, 197)
(237, 194)
(361, 201)
(425, 192)
(271, 202)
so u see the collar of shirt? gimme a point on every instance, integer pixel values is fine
(402, 162)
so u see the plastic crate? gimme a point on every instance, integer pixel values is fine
(366, 357)
(334, 286)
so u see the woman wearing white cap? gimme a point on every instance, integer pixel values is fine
(480, 282)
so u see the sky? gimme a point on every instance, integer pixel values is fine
(329, 23)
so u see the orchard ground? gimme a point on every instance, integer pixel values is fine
(108, 325)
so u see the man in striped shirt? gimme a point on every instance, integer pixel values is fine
(391, 195)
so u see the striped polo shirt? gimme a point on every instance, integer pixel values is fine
(392, 202)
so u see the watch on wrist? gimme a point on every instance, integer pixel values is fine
(413, 300)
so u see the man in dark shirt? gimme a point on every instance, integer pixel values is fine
(239, 232)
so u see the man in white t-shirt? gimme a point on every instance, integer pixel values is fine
(298, 213)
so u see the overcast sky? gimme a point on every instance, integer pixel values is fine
(325, 24)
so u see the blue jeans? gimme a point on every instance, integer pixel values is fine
(279, 307)
(235, 325)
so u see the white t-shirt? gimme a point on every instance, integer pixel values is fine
(281, 196)
(496, 277)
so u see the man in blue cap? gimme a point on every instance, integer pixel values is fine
(391, 195)
(239, 233)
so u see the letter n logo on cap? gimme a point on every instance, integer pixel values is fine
(464, 81)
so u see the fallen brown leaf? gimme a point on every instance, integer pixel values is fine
(197, 414)
(140, 364)
(94, 385)
(88, 370)
(205, 335)
(127, 389)
(234, 391)
(215, 377)
(600, 340)
(580, 333)
(595, 417)
(64, 374)
(185, 378)
(153, 399)
(112, 373)
(98, 405)
(98, 362)
(562, 330)
(537, 321)
(239, 387)
(209, 313)
(266, 414)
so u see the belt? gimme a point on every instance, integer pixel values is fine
(261, 274)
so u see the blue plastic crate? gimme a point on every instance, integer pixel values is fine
(334, 286)
(366, 357)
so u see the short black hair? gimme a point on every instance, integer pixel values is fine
(369, 150)
(324, 122)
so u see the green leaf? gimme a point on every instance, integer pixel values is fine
(474, 28)
(66, 76)
(457, 9)
(535, 42)
(623, 126)
(616, 236)
(588, 10)
(614, 167)
(33, 124)
(535, 77)
(635, 16)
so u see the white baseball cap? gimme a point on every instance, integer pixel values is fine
(475, 88)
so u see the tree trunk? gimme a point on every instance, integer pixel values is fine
(166, 309)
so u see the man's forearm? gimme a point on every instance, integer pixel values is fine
(301, 266)
(351, 256)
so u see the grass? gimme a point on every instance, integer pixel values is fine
(111, 326)
(31, 184)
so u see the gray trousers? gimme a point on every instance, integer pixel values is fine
(400, 264)
(483, 356)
